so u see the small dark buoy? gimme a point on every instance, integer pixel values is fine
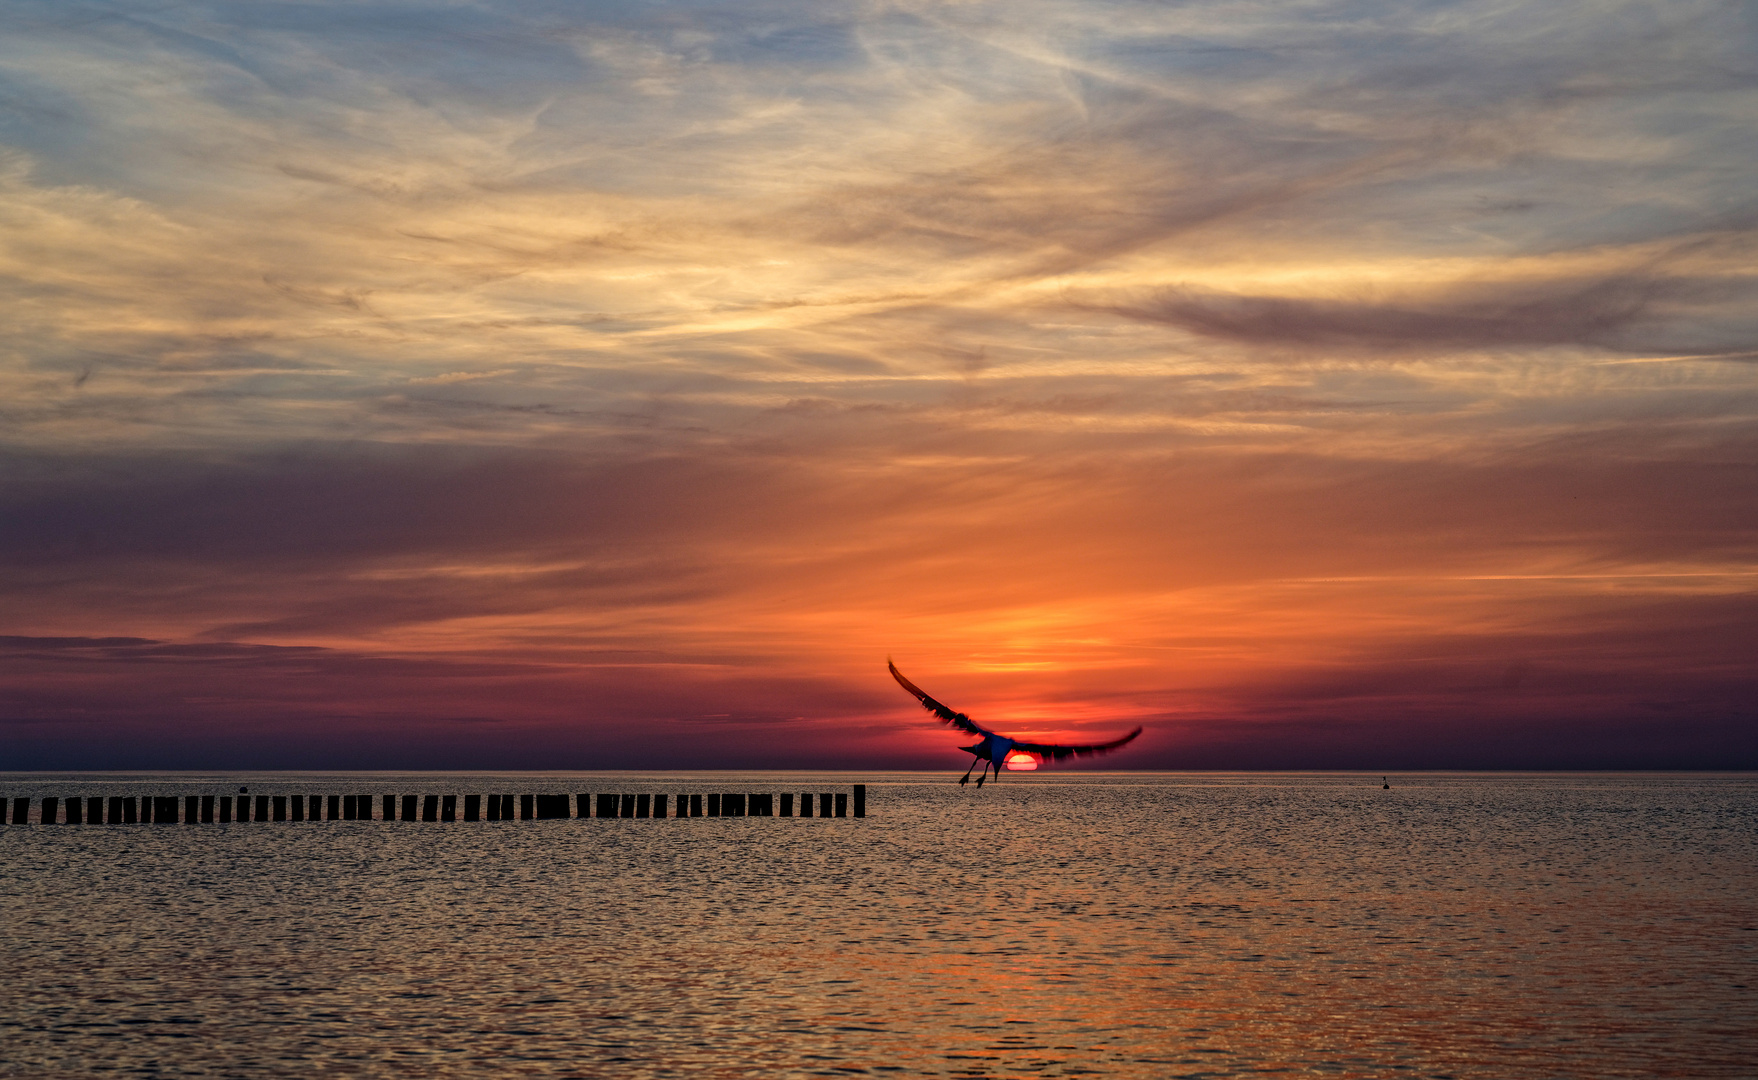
(1385, 784)
(243, 790)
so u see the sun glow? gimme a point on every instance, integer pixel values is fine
(1020, 761)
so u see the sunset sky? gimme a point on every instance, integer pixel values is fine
(616, 385)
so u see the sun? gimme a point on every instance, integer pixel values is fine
(1020, 761)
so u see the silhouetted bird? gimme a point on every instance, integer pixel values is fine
(994, 748)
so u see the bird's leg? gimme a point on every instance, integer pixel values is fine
(966, 778)
(984, 774)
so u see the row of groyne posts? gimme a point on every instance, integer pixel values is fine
(223, 809)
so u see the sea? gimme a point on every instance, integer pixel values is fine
(1106, 924)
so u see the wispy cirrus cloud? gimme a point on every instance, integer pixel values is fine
(1190, 349)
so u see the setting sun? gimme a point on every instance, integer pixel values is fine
(1019, 761)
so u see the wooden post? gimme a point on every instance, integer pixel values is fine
(841, 805)
(713, 804)
(448, 808)
(644, 806)
(207, 809)
(280, 812)
(94, 810)
(494, 807)
(335, 808)
(860, 800)
(165, 809)
(472, 808)
(430, 808)
(225, 809)
(607, 805)
(51, 810)
(527, 807)
(365, 802)
(408, 813)
(262, 808)
(130, 811)
(787, 804)
(21, 811)
(75, 811)
(659, 805)
(192, 810)
(582, 806)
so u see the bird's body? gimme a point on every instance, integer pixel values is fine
(994, 748)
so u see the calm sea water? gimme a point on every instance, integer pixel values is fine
(1117, 925)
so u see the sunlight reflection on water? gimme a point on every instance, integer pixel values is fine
(1130, 925)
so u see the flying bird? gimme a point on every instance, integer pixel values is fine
(994, 748)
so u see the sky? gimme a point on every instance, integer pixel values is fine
(1317, 384)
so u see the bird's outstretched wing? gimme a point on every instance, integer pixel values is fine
(1056, 752)
(956, 719)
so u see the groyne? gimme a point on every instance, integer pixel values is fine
(212, 809)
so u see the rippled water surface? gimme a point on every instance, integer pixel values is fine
(1120, 925)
